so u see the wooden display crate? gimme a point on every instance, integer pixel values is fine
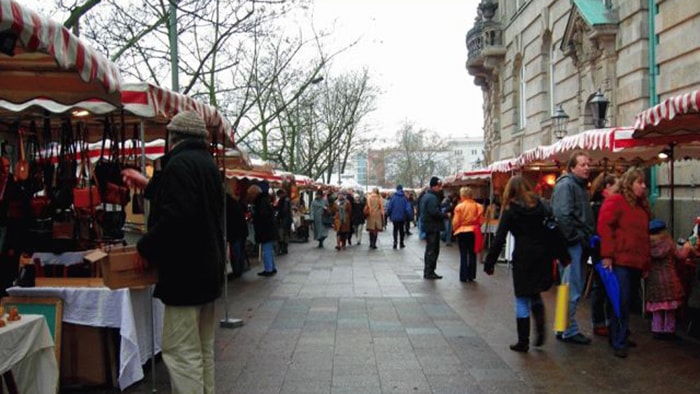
(117, 268)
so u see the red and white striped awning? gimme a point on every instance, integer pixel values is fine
(595, 140)
(303, 180)
(612, 144)
(465, 178)
(505, 165)
(149, 101)
(142, 100)
(257, 175)
(50, 62)
(674, 116)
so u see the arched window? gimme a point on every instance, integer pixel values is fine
(522, 98)
(552, 84)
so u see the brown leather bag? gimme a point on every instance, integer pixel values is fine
(21, 167)
(115, 194)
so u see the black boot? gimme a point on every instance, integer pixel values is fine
(538, 316)
(523, 344)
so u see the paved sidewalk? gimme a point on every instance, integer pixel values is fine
(365, 321)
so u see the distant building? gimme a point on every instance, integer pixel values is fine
(532, 57)
(466, 153)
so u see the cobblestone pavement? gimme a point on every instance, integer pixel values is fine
(365, 321)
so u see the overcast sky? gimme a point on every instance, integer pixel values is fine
(416, 53)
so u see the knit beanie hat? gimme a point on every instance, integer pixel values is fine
(399, 188)
(188, 123)
(434, 181)
(656, 226)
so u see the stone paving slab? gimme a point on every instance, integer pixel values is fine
(364, 321)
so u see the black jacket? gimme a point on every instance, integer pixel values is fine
(236, 224)
(532, 259)
(432, 218)
(572, 209)
(185, 237)
(264, 219)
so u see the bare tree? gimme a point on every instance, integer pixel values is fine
(417, 155)
(234, 56)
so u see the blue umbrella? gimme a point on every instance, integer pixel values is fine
(607, 277)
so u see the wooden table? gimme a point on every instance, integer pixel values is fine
(27, 350)
(128, 310)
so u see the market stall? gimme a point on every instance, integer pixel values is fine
(676, 120)
(41, 58)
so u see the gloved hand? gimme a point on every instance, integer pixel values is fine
(489, 268)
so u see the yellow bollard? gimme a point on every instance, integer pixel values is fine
(561, 312)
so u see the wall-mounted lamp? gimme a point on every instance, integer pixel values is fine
(561, 120)
(665, 154)
(599, 107)
(549, 179)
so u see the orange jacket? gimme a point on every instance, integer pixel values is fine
(468, 214)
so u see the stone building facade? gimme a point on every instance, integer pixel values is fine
(530, 56)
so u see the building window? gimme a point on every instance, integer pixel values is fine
(522, 98)
(552, 90)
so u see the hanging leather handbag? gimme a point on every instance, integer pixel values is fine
(63, 225)
(112, 223)
(39, 206)
(116, 194)
(137, 203)
(86, 196)
(64, 177)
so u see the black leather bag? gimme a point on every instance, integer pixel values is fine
(556, 239)
(137, 203)
(112, 223)
(27, 276)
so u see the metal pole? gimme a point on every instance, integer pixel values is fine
(671, 188)
(172, 34)
(226, 322)
(142, 141)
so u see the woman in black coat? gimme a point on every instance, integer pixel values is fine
(523, 216)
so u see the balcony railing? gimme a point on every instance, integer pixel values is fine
(484, 39)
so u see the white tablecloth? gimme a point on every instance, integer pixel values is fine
(126, 309)
(26, 348)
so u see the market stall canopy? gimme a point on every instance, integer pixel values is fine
(41, 58)
(154, 102)
(614, 144)
(505, 165)
(253, 174)
(303, 180)
(474, 177)
(676, 115)
(141, 101)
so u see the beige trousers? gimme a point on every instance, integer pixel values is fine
(188, 347)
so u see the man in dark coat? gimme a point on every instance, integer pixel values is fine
(236, 233)
(283, 221)
(185, 240)
(432, 222)
(572, 209)
(264, 227)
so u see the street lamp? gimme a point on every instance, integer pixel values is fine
(599, 106)
(560, 119)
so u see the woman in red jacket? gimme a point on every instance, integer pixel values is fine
(623, 228)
